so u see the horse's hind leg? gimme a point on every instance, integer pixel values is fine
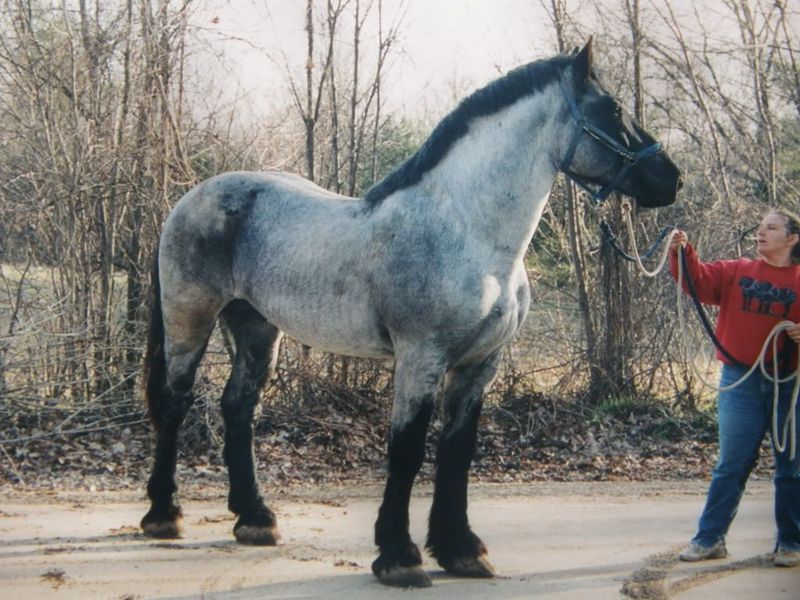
(450, 539)
(257, 343)
(169, 391)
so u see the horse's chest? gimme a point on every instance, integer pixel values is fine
(501, 322)
(496, 316)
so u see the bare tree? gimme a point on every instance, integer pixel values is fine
(559, 15)
(100, 138)
(310, 104)
(96, 157)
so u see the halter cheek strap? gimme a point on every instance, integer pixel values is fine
(631, 159)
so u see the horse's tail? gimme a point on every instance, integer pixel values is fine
(155, 366)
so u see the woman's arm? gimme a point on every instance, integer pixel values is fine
(708, 278)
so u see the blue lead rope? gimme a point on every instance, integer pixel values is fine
(781, 359)
(702, 313)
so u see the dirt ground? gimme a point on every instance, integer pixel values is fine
(565, 540)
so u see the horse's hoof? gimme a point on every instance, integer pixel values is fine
(163, 530)
(404, 577)
(471, 566)
(164, 523)
(254, 535)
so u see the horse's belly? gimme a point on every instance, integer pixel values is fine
(349, 345)
(354, 333)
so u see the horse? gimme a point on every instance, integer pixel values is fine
(425, 269)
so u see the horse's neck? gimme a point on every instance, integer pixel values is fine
(498, 177)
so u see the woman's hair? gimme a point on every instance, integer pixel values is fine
(792, 226)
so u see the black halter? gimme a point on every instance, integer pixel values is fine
(631, 158)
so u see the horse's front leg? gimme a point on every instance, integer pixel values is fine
(256, 343)
(450, 539)
(416, 382)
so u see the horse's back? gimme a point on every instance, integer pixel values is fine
(206, 222)
(232, 194)
(291, 249)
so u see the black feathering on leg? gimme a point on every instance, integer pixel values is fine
(450, 538)
(257, 344)
(399, 562)
(164, 519)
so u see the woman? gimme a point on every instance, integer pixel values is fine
(753, 296)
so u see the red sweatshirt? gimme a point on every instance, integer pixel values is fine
(752, 295)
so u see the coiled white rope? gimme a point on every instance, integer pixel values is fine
(781, 437)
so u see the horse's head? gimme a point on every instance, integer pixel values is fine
(606, 148)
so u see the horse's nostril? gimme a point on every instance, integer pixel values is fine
(680, 182)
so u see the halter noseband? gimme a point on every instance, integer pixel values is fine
(631, 158)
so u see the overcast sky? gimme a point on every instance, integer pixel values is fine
(446, 48)
(443, 44)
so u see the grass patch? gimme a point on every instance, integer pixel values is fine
(619, 407)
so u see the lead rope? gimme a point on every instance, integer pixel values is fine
(781, 438)
(626, 209)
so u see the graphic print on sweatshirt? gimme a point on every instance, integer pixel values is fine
(764, 298)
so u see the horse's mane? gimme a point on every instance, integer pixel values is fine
(495, 96)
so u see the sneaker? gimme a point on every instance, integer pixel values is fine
(697, 552)
(785, 557)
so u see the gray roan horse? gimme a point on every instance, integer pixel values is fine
(427, 269)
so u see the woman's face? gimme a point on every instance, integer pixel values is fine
(773, 240)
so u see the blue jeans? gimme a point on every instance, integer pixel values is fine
(745, 415)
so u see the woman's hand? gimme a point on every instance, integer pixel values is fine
(794, 333)
(679, 238)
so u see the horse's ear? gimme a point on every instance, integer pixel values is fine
(582, 63)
